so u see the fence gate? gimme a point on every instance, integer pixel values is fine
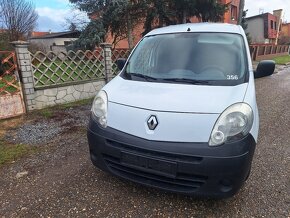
(11, 97)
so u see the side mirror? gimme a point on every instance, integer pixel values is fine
(265, 68)
(121, 63)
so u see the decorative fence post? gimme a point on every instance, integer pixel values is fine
(25, 72)
(108, 61)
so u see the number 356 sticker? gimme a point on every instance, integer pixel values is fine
(232, 77)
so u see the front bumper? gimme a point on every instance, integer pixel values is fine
(187, 168)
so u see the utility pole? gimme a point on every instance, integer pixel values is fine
(241, 10)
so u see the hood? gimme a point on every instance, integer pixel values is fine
(170, 97)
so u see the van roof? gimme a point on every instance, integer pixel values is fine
(198, 27)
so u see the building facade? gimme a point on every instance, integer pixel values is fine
(285, 29)
(54, 41)
(232, 15)
(265, 28)
(285, 34)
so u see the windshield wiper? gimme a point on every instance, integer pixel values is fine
(147, 78)
(184, 80)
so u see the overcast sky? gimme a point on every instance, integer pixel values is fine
(254, 6)
(53, 13)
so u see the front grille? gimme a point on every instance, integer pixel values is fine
(174, 157)
(184, 183)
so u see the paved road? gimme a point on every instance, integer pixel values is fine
(62, 182)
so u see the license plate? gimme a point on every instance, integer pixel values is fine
(152, 165)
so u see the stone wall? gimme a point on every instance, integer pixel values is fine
(25, 73)
(61, 95)
(39, 98)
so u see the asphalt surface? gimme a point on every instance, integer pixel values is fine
(60, 181)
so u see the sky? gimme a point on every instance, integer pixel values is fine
(53, 14)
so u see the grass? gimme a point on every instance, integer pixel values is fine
(47, 113)
(10, 152)
(282, 60)
(76, 103)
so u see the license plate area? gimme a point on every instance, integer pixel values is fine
(149, 164)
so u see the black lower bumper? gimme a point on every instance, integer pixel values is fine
(187, 168)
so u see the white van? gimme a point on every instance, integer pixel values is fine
(182, 114)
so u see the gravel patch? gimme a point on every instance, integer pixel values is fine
(41, 131)
(34, 133)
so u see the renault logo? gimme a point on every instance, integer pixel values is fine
(152, 122)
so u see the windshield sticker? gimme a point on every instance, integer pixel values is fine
(232, 77)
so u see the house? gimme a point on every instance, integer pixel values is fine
(231, 16)
(285, 29)
(285, 34)
(38, 34)
(54, 41)
(265, 28)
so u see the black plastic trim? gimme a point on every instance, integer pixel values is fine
(196, 168)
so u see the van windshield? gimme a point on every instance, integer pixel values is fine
(190, 58)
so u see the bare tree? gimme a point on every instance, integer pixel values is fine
(18, 17)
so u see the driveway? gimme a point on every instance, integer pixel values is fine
(60, 181)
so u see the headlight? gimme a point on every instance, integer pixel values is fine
(233, 124)
(100, 108)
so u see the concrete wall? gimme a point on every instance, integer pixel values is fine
(60, 95)
(58, 48)
(256, 29)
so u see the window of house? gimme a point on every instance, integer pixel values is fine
(275, 25)
(272, 24)
(67, 43)
(234, 12)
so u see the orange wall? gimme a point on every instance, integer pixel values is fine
(286, 29)
(227, 16)
(137, 33)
